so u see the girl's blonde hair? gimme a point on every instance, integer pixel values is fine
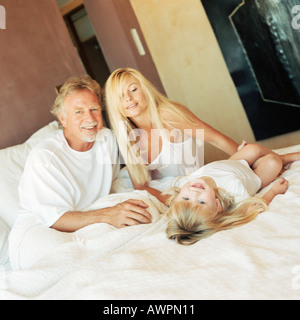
(188, 223)
(125, 129)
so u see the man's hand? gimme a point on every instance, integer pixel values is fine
(128, 213)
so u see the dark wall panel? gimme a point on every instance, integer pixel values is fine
(262, 52)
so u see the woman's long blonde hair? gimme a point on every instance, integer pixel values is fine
(125, 129)
(188, 223)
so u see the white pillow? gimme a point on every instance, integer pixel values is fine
(12, 161)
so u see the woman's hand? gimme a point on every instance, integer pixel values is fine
(242, 145)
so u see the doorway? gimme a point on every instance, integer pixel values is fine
(84, 39)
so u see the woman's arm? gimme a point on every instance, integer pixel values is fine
(211, 135)
(156, 193)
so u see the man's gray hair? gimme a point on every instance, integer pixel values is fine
(73, 85)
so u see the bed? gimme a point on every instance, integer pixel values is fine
(260, 260)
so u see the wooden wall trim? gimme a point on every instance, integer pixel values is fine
(70, 6)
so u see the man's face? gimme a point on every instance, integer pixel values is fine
(81, 119)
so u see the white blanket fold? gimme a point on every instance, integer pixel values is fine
(29, 241)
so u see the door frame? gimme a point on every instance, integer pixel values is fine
(113, 21)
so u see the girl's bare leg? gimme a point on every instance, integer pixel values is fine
(268, 168)
(264, 162)
(251, 153)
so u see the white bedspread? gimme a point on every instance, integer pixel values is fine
(260, 260)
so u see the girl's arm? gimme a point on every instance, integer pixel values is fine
(279, 187)
(211, 135)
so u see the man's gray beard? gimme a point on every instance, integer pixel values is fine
(89, 137)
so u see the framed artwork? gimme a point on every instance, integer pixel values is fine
(261, 46)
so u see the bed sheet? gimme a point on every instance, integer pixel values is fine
(260, 260)
(4, 231)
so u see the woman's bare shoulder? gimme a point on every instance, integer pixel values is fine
(174, 112)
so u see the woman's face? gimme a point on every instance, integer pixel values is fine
(134, 101)
(201, 192)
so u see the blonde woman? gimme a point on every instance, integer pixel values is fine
(219, 196)
(157, 137)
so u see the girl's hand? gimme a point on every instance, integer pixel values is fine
(280, 186)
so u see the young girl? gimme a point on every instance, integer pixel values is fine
(219, 195)
(155, 135)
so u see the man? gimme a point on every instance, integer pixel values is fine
(75, 166)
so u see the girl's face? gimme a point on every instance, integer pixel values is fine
(201, 192)
(134, 101)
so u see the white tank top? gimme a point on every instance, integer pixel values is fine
(178, 158)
